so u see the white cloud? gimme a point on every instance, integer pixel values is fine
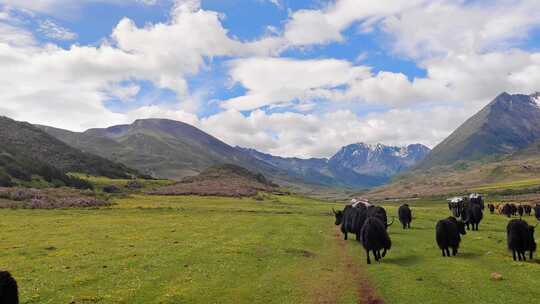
(55, 31)
(321, 26)
(272, 81)
(67, 87)
(308, 135)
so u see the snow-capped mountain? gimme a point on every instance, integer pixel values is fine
(356, 165)
(378, 159)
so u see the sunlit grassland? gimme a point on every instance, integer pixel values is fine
(282, 249)
(176, 250)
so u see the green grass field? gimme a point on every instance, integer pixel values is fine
(284, 249)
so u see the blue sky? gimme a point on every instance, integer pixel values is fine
(293, 78)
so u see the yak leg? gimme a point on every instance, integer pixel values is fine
(443, 252)
(358, 236)
(514, 254)
(384, 252)
(447, 252)
(523, 255)
(530, 254)
(369, 261)
(376, 254)
(345, 236)
(454, 251)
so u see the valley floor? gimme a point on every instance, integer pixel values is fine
(282, 249)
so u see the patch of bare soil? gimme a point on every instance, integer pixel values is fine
(52, 198)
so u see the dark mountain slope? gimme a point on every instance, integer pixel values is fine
(26, 150)
(507, 124)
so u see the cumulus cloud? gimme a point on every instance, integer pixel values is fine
(67, 87)
(309, 135)
(272, 81)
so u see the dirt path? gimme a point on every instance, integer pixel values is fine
(365, 292)
(344, 278)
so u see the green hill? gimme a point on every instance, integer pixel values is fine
(162, 148)
(27, 151)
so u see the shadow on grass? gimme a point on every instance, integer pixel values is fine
(407, 260)
(468, 255)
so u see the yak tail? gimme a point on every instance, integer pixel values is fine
(393, 218)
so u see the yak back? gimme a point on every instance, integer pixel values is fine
(353, 218)
(373, 235)
(378, 212)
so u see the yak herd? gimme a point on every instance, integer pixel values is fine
(369, 223)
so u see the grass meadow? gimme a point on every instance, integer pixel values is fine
(281, 249)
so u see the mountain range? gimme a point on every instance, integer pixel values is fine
(352, 166)
(171, 149)
(501, 142)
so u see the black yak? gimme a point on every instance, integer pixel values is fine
(537, 211)
(520, 210)
(9, 293)
(448, 235)
(513, 209)
(491, 208)
(405, 216)
(476, 198)
(375, 238)
(527, 209)
(474, 216)
(380, 213)
(351, 219)
(507, 210)
(520, 238)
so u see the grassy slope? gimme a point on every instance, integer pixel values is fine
(26, 150)
(506, 173)
(149, 249)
